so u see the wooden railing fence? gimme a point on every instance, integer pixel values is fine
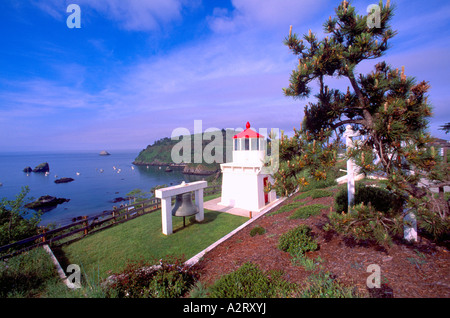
(85, 225)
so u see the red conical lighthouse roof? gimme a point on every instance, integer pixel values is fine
(248, 133)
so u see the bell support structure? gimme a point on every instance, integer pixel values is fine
(166, 194)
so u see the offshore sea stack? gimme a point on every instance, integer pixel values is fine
(46, 203)
(43, 167)
(64, 180)
(27, 169)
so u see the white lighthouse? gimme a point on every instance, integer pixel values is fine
(243, 180)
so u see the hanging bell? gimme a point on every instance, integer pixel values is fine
(184, 206)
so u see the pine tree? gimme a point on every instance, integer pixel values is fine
(446, 128)
(304, 158)
(386, 106)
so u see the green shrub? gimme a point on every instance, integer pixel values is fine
(307, 211)
(381, 199)
(297, 240)
(364, 222)
(257, 230)
(249, 281)
(170, 280)
(16, 223)
(375, 215)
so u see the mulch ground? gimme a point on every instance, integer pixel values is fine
(419, 270)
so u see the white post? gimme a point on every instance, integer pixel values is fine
(348, 134)
(350, 182)
(166, 215)
(199, 203)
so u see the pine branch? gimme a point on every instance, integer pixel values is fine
(348, 121)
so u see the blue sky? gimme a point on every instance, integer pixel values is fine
(138, 69)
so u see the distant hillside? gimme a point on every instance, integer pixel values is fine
(159, 153)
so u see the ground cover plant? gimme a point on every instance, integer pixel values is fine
(257, 230)
(298, 240)
(323, 285)
(249, 281)
(305, 212)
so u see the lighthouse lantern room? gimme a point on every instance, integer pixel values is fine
(243, 179)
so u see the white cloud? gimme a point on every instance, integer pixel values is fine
(134, 15)
(267, 14)
(54, 8)
(141, 15)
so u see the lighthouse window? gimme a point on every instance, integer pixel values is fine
(236, 144)
(263, 144)
(255, 144)
(246, 144)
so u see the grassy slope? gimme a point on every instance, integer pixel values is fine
(29, 274)
(109, 250)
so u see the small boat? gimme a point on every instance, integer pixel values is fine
(168, 169)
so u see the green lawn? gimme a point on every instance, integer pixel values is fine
(141, 238)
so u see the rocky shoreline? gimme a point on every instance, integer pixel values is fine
(187, 169)
(198, 170)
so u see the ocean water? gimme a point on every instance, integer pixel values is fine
(98, 180)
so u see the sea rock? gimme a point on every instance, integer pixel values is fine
(46, 203)
(104, 153)
(43, 167)
(64, 180)
(27, 169)
(120, 199)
